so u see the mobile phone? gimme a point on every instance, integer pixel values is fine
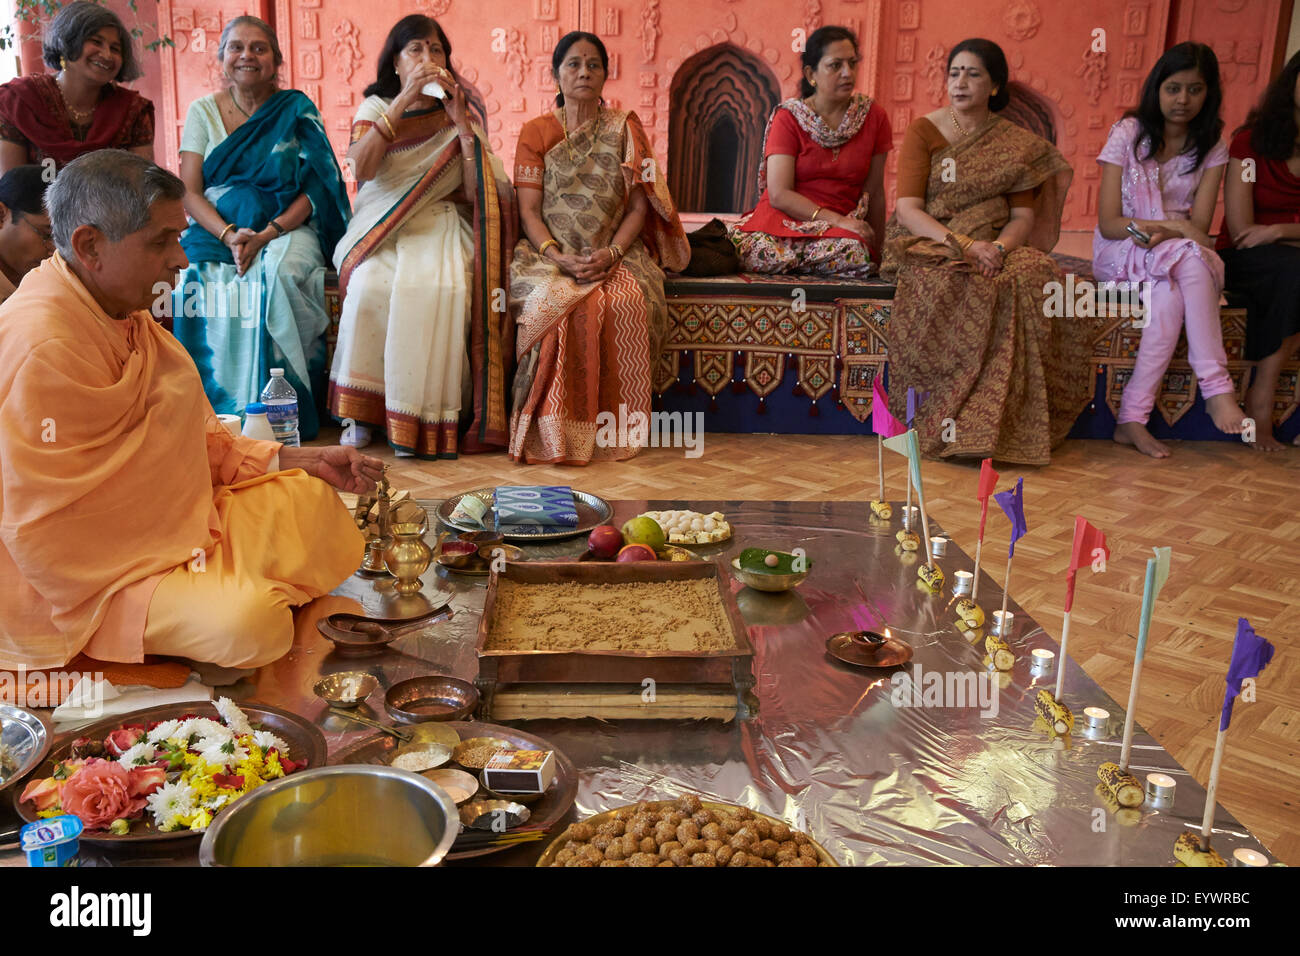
(1137, 233)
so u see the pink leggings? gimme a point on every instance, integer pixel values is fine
(1191, 295)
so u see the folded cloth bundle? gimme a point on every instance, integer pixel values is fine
(534, 509)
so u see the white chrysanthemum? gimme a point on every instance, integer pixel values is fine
(164, 731)
(138, 755)
(269, 741)
(207, 727)
(223, 753)
(232, 716)
(170, 802)
(216, 802)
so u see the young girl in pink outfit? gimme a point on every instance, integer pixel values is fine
(1160, 172)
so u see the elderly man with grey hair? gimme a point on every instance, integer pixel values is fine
(131, 521)
(52, 119)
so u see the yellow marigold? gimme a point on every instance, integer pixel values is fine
(273, 768)
(201, 820)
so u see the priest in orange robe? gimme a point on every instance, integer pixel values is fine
(131, 521)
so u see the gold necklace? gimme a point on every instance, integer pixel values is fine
(952, 113)
(564, 121)
(80, 117)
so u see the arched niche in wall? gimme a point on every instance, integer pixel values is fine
(1031, 111)
(719, 103)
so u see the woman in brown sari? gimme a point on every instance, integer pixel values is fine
(586, 287)
(979, 207)
(80, 108)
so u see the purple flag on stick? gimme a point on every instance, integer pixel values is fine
(1250, 654)
(1012, 504)
(882, 422)
(914, 400)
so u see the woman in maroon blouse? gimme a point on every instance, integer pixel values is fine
(821, 179)
(1260, 244)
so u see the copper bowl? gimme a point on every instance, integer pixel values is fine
(457, 554)
(480, 538)
(488, 552)
(435, 697)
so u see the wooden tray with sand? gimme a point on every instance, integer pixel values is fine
(586, 639)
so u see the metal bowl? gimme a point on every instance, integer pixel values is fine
(25, 739)
(332, 689)
(327, 817)
(512, 553)
(425, 756)
(494, 815)
(431, 698)
(761, 581)
(499, 743)
(457, 554)
(481, 538)
(527, 799)
(460, 786)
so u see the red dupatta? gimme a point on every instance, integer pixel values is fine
(34, 106)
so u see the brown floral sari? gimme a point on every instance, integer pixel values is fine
(590, 348)
(1011, 379)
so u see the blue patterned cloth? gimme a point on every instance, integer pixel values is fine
(534, 509)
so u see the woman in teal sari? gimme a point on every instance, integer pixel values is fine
(265, 197)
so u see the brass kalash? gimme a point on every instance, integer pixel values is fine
(394, 527)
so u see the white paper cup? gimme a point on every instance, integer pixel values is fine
(232, 423)
(434, 89)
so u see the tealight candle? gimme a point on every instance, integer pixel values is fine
(1002, 623)
(1095, 718)
(938, 546)
(1160, 786)
(1243, 856)
(962, 582)
(1041, 660)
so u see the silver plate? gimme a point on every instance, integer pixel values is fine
(592, 511)
(26, 739)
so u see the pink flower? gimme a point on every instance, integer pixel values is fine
(99, 793)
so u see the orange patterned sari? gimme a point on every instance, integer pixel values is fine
(591, 348)
(1005, 380)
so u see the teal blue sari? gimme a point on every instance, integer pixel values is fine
(237, 328)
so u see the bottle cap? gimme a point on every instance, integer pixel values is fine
(254, 408)
(277, 371)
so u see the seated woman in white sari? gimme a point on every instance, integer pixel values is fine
(422, 337)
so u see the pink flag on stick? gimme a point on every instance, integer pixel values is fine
(1087, 540)
(882, 422)
(988, 484)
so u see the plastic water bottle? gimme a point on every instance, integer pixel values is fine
(255, 423)
(281, 403)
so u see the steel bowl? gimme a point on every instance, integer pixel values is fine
(351, 815)
(26, 741)
(431, 698)
(763, 581)
(331, 689)
(495, 815)
(459, 785)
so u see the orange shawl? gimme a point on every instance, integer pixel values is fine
(110, 456)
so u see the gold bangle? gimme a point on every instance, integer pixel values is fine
(392, 134)
(616, 249)
(816, 212)
(546, 245)
(222, 237)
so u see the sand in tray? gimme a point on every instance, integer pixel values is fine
(638, 615)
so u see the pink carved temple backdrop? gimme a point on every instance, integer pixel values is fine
(664, 53)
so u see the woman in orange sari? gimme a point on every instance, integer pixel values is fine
(979, 208)
(586, 287)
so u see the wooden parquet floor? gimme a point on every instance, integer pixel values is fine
(1232, 516)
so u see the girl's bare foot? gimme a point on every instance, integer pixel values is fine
(1136, 434)
(1261, 410)
(1227, 414)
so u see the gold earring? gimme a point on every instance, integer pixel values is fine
(63, 63)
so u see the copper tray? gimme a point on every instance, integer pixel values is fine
(305, 743)
(624, 665)
(546, 812)
(548, 857)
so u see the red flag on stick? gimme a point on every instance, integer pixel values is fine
(988, 484)
(1087, 540)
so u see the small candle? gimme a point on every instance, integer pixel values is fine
(1160, 786)
(962, 582)
(938, 546)
(1002, 623)
(1095, 717)
(1041, 660)
(1244, 856)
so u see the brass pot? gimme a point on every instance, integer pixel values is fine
(407, 557)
